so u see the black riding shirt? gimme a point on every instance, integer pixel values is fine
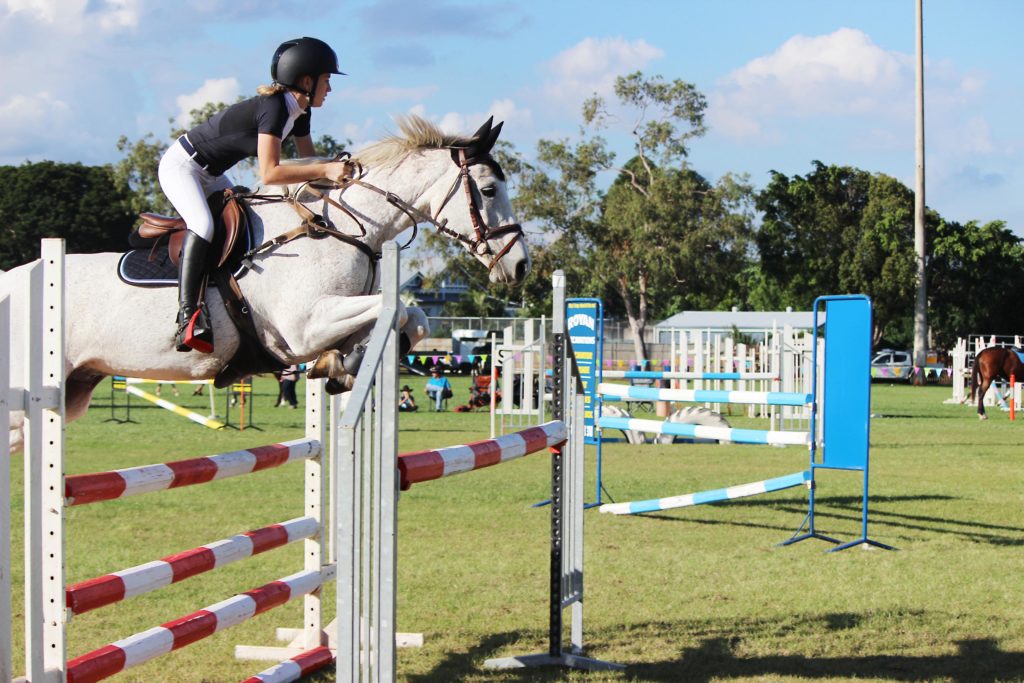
(231, 135)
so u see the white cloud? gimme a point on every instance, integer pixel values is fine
(502, 110)
(78, 16)
(841, 73)
(28, 125)
(361, 134)
(120, 14)
(212, 90)
(593, 64)
(41, 112)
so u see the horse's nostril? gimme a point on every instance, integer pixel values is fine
(522, 268)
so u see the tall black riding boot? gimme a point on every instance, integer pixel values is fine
(194, 328)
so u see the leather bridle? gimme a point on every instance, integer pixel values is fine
(483, 232)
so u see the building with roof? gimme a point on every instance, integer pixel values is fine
(752, 323)
(449, 288)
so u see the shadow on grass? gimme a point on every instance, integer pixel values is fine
(908, 416)
(825, 509)
(725, 650)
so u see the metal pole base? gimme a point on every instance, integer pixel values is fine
(865, 542)
(563, 660)
(804, 537)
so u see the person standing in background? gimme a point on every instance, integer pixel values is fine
(289, 378)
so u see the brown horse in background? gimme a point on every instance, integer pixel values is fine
(995, 362)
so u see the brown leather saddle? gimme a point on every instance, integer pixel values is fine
(230, 224)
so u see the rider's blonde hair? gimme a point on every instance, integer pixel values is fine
(273, 89)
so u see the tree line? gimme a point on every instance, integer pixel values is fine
(658, 239)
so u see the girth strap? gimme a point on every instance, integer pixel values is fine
(251, 357)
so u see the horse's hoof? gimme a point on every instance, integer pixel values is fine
(983, 417)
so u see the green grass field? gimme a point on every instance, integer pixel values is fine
(697, 594)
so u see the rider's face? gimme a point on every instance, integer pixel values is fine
(323, 86)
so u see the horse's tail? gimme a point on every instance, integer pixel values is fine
(975, 372)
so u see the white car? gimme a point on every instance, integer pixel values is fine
(895, 366)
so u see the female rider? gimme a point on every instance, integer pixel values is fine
(194, 166)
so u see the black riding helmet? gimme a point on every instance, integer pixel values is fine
(300, 57)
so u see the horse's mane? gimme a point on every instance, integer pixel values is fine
(417, 134)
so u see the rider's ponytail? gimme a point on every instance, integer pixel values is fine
(266, 90)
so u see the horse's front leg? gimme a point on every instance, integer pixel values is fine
(332, 320)
(341, 369)
(338, 322)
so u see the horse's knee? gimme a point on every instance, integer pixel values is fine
(327, 364)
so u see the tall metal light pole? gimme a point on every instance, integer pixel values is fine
(921, 306)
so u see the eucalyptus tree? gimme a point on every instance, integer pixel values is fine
(661, 236)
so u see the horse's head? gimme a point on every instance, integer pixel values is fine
(453, 183)
(477, 211)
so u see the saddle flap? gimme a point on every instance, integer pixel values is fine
(234, 222)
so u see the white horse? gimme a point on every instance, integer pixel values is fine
(307, 296)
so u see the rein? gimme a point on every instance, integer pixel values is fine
(315, 226)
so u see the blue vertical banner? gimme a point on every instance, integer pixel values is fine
(585, 325)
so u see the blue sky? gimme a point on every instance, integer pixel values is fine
(787, 81)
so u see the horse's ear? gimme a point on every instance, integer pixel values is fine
(481, 134)
(492, 137)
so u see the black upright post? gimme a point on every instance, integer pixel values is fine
(557, 493)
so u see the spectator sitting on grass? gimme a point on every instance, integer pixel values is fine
(406, 403)
(438, 387)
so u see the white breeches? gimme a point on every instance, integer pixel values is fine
(187, 185)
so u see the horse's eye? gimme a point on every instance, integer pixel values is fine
(489, 191)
